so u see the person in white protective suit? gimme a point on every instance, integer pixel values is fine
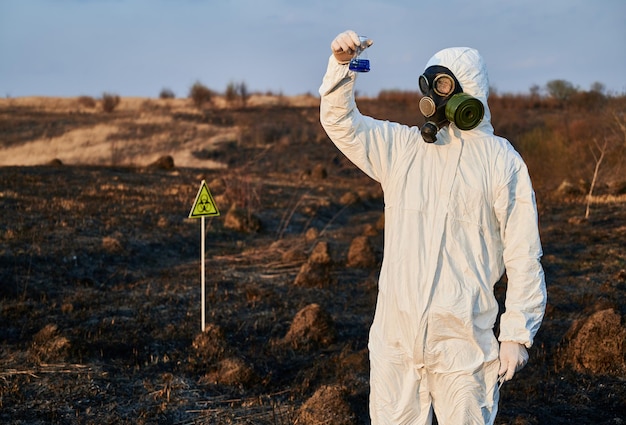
(460, 210)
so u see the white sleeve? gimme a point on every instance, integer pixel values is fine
(525, 302)
(367, 142)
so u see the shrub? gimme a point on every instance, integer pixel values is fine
(231, 92)
(167, 94)
(200, 94)
(110, 102)
(87, 101)
(237, 91)
(244, 94)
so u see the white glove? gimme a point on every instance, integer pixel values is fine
(513, 357)
(345, 46)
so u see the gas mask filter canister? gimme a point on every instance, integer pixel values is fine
(444, 102)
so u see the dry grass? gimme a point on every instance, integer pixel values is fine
(138, 132)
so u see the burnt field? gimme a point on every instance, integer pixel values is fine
(100, 280)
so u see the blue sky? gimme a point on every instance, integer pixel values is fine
(138, 47)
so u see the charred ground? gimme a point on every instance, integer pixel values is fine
(100, 285)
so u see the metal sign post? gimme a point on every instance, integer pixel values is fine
(204, 206)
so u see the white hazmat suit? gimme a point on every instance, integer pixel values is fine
(458, 213)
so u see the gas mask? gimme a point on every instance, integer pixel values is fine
(444, 102)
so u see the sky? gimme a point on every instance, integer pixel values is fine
(140, 47)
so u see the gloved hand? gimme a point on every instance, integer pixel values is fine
(513, 357)
(345, 45)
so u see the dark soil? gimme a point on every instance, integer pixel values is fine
(100, 290)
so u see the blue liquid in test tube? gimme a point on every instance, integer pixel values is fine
(359, 65)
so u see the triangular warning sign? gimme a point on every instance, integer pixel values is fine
(204, 205)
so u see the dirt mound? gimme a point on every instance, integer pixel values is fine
(113, 244)
(327, 406)
(211, 344)
(568, 189)
(165, 162)
(311, 234)
(597, 344)
(315, 273)
(320, 254)
(231, 371)
(361, 253)
(349, 198)
(319, 172)
(48, 345)
(241, 220)
(311, 326)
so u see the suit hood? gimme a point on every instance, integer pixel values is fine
(469, 68)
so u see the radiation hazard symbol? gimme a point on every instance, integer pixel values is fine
(204, 204)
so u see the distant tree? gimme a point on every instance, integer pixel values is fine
(535, 91)
(560, 89)
(166, 94)
(110, 101)
(200, 94)
(244, 94)
(598, 155)
(611, 148)
(598, 87)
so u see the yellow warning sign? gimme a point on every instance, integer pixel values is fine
(204, 205)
